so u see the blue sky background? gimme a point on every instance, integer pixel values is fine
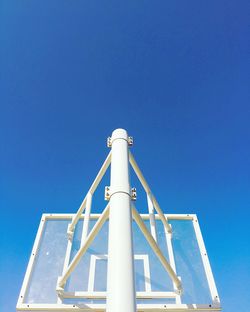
(175, 74)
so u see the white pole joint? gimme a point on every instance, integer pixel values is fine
(114, 190)
(120, 134)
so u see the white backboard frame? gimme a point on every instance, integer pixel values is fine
(215, 306)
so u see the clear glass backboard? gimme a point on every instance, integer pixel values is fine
(86, 286)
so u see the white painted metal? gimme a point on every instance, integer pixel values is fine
(84, 236)
(92, 189)
(31, 262)
(121, 295)
(205, 260)
(156, 249)
(103, 217)
(21, 306)
(103, 294)
(102, 307)
(144, 216)
(148, 191)
(146, 273)
(120, 279)
(66, 262)
(91, 280)
(86, 218)
(151, 217)
(171, 259)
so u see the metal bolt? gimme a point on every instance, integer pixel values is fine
(130, 141)
(107, 193)
(109, 142)
(133, 193)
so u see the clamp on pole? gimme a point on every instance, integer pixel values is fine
(130, 141)
(110, 191)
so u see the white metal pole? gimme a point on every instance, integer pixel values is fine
(120, 281)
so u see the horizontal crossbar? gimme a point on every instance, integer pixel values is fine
(103, 294)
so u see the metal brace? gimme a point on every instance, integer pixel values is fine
(59, 289)
(179, 291)
(70, 233)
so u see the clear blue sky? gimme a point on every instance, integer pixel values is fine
(175, 74)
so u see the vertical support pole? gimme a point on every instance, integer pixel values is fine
(120, 282)
(85, 227)
(151, 217)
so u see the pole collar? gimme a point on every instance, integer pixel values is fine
(111, 191)
(119, 134)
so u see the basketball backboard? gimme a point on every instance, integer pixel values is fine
(86, 287)
(150, 262)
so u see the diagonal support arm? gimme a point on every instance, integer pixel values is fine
(148, 191)
(91, 191)
(156, 249)
(99, 223)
